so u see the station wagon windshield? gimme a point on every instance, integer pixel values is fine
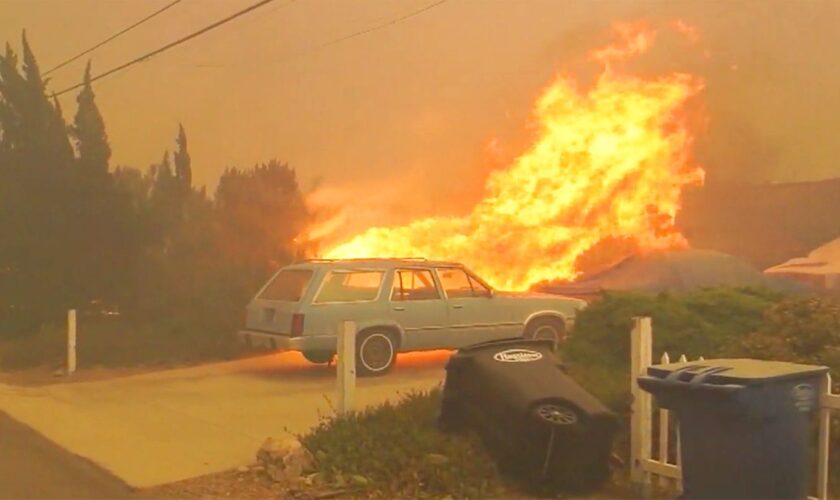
(289, 285)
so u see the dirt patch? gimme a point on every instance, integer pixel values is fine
(243, 483)
(252, 483)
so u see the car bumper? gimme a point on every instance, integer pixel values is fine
(277, 341)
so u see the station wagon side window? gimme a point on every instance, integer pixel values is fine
(288, 285)
(350, 286)
(458, 284)
(414, 284)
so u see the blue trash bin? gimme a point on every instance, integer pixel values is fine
(744, 424)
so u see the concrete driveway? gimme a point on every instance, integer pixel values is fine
(166, 426)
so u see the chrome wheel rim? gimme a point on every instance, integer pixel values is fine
(376, 352)
(556, 414)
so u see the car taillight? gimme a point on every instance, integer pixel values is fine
(297, 324)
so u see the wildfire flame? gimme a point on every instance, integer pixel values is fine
(604, 174)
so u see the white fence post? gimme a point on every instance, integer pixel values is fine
(641, 409)
(71, 341)
(346, 366)
(664, 417)
(678, 458)
(824, 441)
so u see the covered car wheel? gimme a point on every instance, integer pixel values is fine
(552, 329)
(318, 357)
(557, 414)
(376, 351)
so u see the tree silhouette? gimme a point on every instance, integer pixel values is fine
(73, 233)
(89, 130)
(183, 164)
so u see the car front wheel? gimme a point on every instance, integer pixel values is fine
(376, 351)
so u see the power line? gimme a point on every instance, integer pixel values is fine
(344, 38)
(168, 46)
(116, 35)
(377, 27)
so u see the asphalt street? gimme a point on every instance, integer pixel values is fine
(31, 466)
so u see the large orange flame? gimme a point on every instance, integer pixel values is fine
(606, 171)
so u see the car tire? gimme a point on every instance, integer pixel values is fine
(546, 329)
(318, 357)
(376, 352)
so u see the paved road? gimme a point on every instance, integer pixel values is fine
(33, 467)
(166, 426)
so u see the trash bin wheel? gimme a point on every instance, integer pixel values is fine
(556, 414)
(376, 351)
(318, 357)
(546, 329)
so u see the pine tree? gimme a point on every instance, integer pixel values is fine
(89, 130)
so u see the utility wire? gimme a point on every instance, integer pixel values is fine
(378, 26)
(116, 35)
(344, 38)
(168, 46)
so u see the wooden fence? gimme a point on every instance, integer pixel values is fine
(644, 420)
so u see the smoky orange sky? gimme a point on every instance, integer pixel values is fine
(412, 116)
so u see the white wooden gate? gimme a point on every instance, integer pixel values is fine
(643, 463)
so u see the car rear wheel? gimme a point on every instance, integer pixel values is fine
(551, 329)
(376, 351)
(318, 357)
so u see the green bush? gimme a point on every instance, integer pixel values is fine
(701, 323)
(801, 329)
(396, 451)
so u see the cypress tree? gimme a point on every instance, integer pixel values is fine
(183, 168)
(89, 130)
(44, 133)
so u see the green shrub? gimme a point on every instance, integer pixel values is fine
(398, 450)
(800, 329)
(701, 323)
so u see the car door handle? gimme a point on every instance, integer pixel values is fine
(399, 308)
(457, 306)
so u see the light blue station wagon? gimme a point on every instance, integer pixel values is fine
(398, 305)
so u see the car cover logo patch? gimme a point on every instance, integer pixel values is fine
(517, 356)
(804, 397)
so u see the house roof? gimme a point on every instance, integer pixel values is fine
(822, 260)
(676, 270)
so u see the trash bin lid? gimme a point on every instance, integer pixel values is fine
(737, 371)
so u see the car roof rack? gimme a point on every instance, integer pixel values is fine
(419, 259)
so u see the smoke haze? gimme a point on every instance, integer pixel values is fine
(419, 112)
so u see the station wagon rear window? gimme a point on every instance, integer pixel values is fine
(350, 286)
(289, 285)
